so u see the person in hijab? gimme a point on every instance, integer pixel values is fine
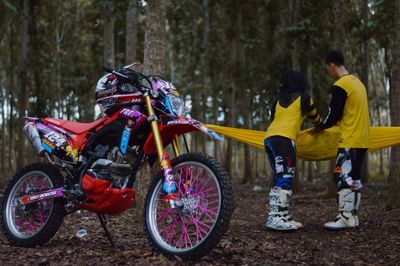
(287, 116)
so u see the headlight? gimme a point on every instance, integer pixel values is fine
(177, 104)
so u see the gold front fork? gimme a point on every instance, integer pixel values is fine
(154, 128)
(169, 186)
(176, 146)
(156, 133)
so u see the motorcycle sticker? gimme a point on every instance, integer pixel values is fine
(55, 138)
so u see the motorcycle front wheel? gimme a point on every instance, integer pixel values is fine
(202, 215)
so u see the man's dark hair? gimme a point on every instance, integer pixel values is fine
(335, 57)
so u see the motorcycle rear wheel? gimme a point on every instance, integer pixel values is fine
(36, 223)
(195, 228)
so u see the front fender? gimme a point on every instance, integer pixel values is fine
(171, 126)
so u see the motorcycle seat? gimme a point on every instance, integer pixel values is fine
(74, 127)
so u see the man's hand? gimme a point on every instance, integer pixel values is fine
(315, 130)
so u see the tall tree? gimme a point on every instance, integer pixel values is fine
(109, 33)
(153, 64)
(205, 61)
(155, 37)
(364, 70)
(22, 79)
(235, 16)
(394, 174)
(131, 32)
(339, 24)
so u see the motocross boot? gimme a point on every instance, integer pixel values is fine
(278, 217)
(349, 204)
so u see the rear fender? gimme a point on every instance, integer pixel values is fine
(51, 139)
(172, 126)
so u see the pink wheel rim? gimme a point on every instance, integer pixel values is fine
(199, 190)
(27, 220)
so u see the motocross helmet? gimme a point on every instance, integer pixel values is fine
(111, 92)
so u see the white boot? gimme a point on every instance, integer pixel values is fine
(349, 203)
(278, 217)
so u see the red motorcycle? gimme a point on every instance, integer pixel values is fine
(93, 166)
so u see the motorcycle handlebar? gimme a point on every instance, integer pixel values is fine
(142, 89)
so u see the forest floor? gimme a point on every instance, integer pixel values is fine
(247, 242)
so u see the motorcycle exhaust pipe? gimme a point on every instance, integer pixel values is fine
(32, 133)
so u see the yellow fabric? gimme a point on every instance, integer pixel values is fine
(355, 122)
(322, 146)
(287, 121)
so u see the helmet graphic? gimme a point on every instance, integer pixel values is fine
(110, 91)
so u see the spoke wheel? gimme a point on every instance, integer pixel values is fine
(203, 208)
(36, 223)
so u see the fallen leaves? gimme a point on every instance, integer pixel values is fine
(246, 243)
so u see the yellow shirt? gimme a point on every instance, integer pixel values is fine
(287, 121)
(355, 123)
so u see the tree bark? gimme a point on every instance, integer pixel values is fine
(248, 173)
(338, 31)
(394, 171)
(40, 105)
(153, 64)
(205, 61)
(364, 73)
(22, 80)
(231, 123)
(108, 37)
(155, 37)
(294, 8)
(131, 32)
(235, 60)
(338, 43)
(3, 126)
(215, 112)
(11, 165)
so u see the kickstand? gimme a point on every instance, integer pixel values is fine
(104, 225)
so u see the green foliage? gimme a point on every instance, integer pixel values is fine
(248, 46)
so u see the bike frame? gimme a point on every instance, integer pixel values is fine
(165, 129)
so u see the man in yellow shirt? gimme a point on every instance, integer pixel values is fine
(349, 109)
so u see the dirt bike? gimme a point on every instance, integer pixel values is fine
(93, 166)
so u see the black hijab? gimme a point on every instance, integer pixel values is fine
(293, 81)
(293, 85)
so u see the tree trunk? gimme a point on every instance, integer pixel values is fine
(59, 39)
(205, 62)
(3, 127)
(338, 31)
(217, 144)
(155, 37)
(294, 12)
(394, 171)
(338, 43)
(22, 81)
(131, 32)
(40, 105)
(364, 74)
(248, 162)
(108, 37)
(153, 64)
(231, 123)
(11, 102)
(236, 61)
